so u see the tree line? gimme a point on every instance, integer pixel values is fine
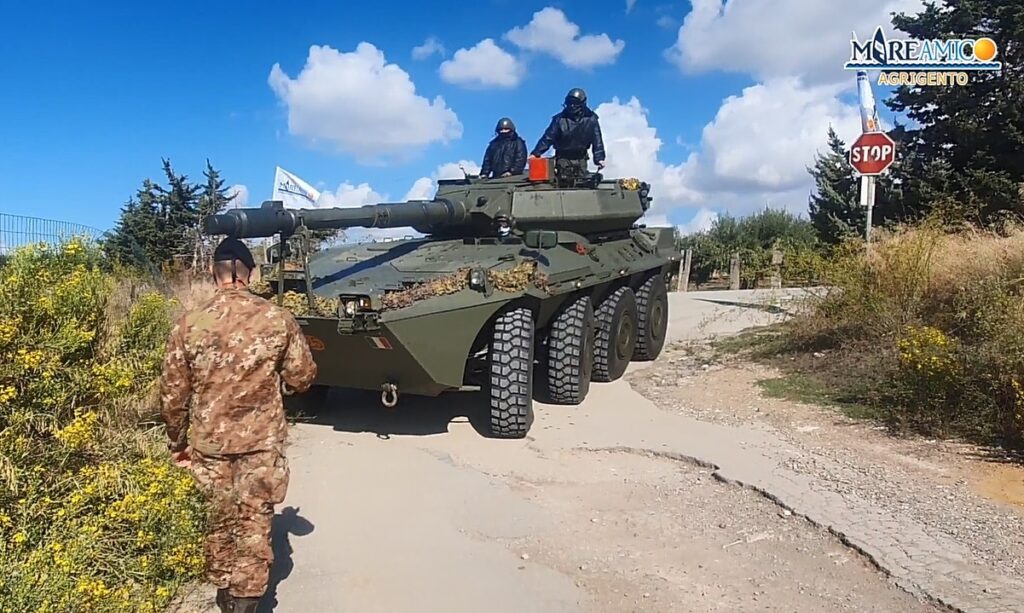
(162, 222)
(960, 157)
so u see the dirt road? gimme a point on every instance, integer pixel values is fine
(614, 505)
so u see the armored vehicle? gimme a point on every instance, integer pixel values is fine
(509, 279)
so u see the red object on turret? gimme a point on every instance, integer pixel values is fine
(540, 169)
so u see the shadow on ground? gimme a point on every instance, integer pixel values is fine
(285, 524)
(768, 308)
(360, 411)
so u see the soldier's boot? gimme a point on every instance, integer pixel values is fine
(224, 601)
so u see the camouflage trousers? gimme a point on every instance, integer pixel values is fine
(241, 491)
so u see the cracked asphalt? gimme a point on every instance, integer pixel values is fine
(614, 505)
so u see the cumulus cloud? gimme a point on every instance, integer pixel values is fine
(551, 32)
(755, 151)
(429, 47)
(701, 221)
(424, 188)
(775, 38)
(357, 103)
(241, 196)
(482, 66)
(633, 148)
(765, 138)
(349, 195)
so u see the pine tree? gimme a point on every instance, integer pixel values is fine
(967, 155)
(179, 213)
(835, 209)
(213, 200)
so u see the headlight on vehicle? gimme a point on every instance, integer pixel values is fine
(477, 278)
(350, 308)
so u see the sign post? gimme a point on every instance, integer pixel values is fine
(872, 152)
(870, 155)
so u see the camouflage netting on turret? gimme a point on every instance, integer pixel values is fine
(515, 279)
(297, 303)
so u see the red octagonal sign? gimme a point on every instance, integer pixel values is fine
(872, 153)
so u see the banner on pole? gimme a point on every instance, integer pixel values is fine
(293, 191)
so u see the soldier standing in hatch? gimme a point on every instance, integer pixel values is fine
(572, 132)
(232, 358)
(506, 153)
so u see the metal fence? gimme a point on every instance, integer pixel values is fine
(18, 230)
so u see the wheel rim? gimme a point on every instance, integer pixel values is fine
(625, 340)
(657, 322)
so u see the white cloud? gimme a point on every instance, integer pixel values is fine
(551, 32)
(775, 38)
(766, 137)
(358, 103)
(348, 195)
(633, 147)
(485, 65)
(429, 47)
(452, 170)
(424, 188)
(701, 221)
(241, 196)
(755, 151)
(668, 22)
(629, 5)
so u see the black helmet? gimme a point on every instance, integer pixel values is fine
(505, 124)
(576, 96)
(233, 249)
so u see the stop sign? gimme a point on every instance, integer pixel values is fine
(872, 153)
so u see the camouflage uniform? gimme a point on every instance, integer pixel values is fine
(229, 357)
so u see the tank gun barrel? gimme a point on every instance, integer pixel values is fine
(273, 218)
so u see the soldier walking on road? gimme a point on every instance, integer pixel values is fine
(227, 364)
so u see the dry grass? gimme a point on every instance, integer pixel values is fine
(934, 320)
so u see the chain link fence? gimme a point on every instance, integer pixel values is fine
(18, 230)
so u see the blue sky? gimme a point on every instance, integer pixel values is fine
(724, 117)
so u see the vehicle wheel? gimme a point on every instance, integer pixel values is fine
(511, 374)
(570, 356)
(652, 318)
(616, 335)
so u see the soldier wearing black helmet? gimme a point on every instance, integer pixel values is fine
(506, 153)
(572, 132)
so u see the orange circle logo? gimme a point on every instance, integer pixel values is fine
(315, 343)
(984, 49)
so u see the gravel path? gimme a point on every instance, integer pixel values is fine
(933, 527)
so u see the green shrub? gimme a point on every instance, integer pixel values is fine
(93, 517)
(942, 316)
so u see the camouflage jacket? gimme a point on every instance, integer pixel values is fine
(223, 370)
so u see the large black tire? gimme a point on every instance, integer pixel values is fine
(510, 365)
(616, 335)
(570, 358)
(652, 318)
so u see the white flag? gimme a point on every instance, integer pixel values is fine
(293, 191)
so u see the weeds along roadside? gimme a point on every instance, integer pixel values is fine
(923, 333)
(93, 517)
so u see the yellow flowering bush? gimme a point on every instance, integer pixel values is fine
(93, 516)
(926, 329)
(927, 352)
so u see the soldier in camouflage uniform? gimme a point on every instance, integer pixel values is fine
(231, 359)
